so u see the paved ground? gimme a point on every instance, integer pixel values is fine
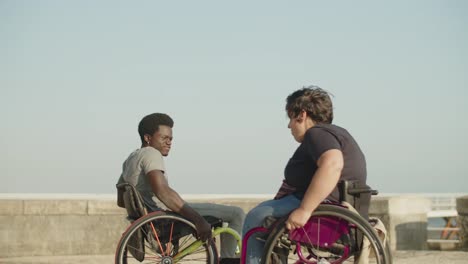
(434, 257)
(401, 257)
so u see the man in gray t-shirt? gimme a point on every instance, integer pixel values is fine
(135, 168)
(144, 168)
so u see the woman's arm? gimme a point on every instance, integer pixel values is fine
(330, 164)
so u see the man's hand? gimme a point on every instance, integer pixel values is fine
(298, 218)
(203, 229)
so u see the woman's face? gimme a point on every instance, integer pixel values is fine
(299, 125)
(296, 129)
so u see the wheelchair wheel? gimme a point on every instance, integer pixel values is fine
(166, 238)
(333, 235)
(388, 251)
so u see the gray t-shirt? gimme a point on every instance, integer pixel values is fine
(135, 169)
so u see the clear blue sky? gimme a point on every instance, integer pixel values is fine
(77, 76)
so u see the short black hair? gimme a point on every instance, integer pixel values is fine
(315, 101)
(150, 124)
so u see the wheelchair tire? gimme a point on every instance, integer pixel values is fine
(388, 251)
(345, 248)
(158, 237)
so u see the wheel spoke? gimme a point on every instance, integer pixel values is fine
(163, 237)
(333, 235)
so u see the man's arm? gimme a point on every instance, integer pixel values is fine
(173, 201)
(330, 165)
(165, 194)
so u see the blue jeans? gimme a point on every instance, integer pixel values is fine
(275, 208)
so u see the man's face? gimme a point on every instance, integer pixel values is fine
(162, 140)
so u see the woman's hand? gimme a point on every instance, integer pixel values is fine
(298, 218)
(330, 165)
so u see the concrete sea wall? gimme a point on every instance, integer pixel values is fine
(67, 225)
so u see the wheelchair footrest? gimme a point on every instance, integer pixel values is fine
(213, 221)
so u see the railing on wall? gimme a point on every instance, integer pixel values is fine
(443, 227)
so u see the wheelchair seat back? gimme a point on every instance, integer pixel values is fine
(357, 194)
(129, 198)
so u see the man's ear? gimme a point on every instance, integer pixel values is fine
(147, 138)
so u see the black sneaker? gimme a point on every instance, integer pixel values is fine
(229, 261)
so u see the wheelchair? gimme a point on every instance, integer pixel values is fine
(334, 234)
(163, 236)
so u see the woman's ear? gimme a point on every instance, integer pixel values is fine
(302, 116)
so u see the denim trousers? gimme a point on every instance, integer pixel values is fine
(276, 208)
(232, 215)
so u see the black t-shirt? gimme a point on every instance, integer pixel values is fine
(317, 140)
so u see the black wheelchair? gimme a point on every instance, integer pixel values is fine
(336, 233)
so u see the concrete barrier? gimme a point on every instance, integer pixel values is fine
(87, 225)
(462, 209)
(59, 227)
(72, 226)
(405, 218)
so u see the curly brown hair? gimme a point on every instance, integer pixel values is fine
(150, 124)
(315, 101)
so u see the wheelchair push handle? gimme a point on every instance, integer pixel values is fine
(355, 187)
(362, 190)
